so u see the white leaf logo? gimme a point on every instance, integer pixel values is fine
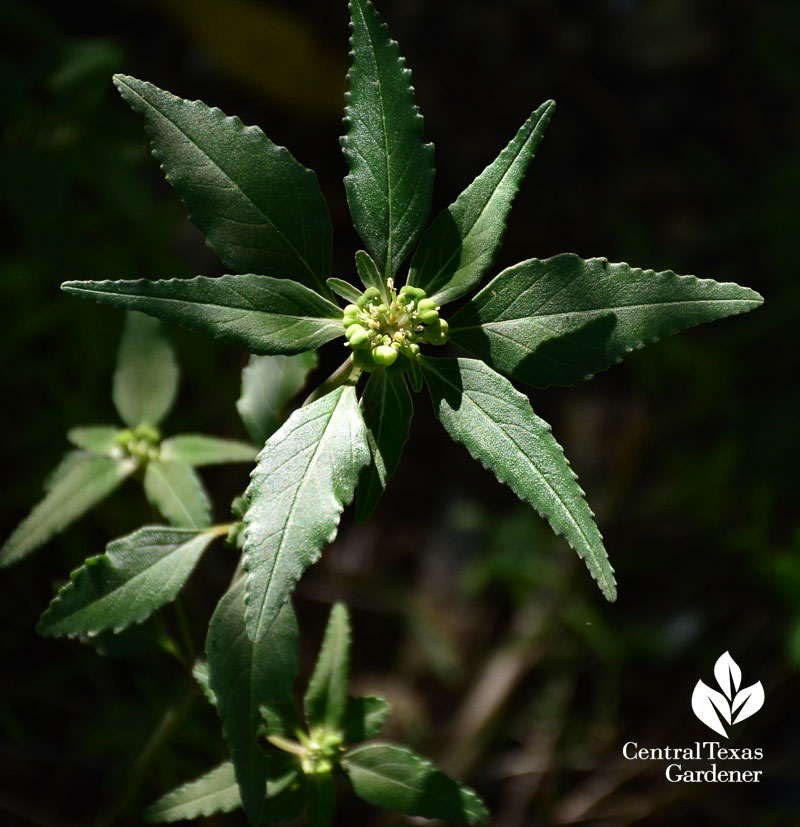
(731, 705)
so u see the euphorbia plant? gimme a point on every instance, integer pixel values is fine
(143, 392)
(540, 322)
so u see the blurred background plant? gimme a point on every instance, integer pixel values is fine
(675, 145)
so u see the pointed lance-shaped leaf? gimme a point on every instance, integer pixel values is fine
(263, 314)
(559, 320)
(268, 384)
(345, 290)
(495, 423)
(146, 379)
(244, 674)
(364, 718)
(304, 477)
(98, 439)
(459, 247)
(326, 697)
(197, 450)
(138, 574)
(178, 493)
(260, 210)
(79, 482)
(214, 792)
(391, 167)
(387, 409)
(396, 779)
(369, 275)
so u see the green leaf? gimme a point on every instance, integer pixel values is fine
(203, 679)
(305, 476)
(268, 384)
(369, 275)
(263, 314)
(177, 492)
(364, 718)
(320, 799)
(138, 574)
(326, 697)
(394, 778)
(98, 439)
(79, 482)
(488, 416)
(387, 408)
(391, 167)
(146, 378)
(345, 290)
(556, 321)
(196, 450)
(260, 210)
(214, 792)
(459, 247)
(246, 673)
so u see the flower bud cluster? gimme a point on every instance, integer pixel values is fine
(378, 332)
(323, 749)
(141, 443)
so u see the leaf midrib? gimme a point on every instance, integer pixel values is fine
(290, 512)
(227, 175)
(559, 498)
(577, 314)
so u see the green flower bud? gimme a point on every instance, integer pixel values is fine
(124, 437)
(384, 355)
(148, 433)
(426, 304)
(429, 316)
(368, 295)
(411, 350)
(436, 334)
(357, 336)
(352, 310)
(239, 506)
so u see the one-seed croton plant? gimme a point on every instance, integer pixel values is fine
(541, 322)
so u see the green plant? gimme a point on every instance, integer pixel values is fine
(541, 322)
(143, 391)
(302, 761)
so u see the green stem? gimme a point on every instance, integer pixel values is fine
(346, 374)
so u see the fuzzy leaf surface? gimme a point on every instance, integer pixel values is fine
(459, 247)
(214, 792)
(138, 574)
(268, 384)
(559, 320)
(246, 673)
(485, 413)
(369, 275)
(79, 482)
(396, 779)
(364, 718)
(303, 479)
(263, 314)
(260, 210)
(146, 379)
(387, 409)
(345, 290)
(391, 167)
(98, 439)
(178, 493)
(326, 697)
(197, 450)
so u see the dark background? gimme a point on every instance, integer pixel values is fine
(675, 145)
